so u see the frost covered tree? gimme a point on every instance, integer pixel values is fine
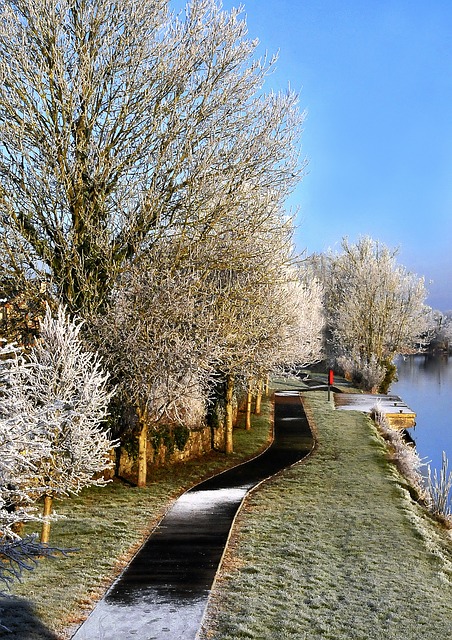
(259, 307)
(157, 341)
(291, 320)
(121, 123)
(59, 397)
(441, 330)
(375, 308)
(185, 316)
(300, 310)
(238, 291)
(237, 297)
(23, 442)
(293, 316)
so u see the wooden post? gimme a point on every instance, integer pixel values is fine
(45, 530)
(228, 442)
(249, 399)
(142, 448)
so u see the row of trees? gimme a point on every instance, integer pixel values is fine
(143, 172)
(442, 331)
(174, 337)
(138, 145)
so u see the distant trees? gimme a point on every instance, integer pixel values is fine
(375, 309)
(301, 318)
(441, 330)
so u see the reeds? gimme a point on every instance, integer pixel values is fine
(439, 487)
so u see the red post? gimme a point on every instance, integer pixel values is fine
(330, 382)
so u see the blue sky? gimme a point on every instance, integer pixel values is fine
(375, 77)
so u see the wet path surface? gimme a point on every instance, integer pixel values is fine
(163, 593)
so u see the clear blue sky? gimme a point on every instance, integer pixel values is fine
(375, 77)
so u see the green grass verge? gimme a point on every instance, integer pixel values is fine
(334, 548)
(107, 525)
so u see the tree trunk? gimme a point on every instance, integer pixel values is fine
(142, 448)
(257, 409)
(249, 399)
(45, 531)
(266, 383)
(228, 442)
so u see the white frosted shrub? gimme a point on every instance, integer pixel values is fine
(71, 394)
(52, 406)
(369, 374)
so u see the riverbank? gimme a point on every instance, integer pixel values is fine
(334, 548)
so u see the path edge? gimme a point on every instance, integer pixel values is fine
(313, 428)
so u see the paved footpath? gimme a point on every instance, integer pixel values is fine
(163, 593)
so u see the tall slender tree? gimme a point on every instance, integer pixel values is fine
(265, 316)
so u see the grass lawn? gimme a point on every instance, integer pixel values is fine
(107, 525)
(335, 549)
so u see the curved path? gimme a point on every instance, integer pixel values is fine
(163, 592)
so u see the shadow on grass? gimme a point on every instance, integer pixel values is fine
(19, 622)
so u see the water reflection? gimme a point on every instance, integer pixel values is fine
(425, 384)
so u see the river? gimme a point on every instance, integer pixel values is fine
(425, 385)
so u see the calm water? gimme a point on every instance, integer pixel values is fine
(425, 384)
